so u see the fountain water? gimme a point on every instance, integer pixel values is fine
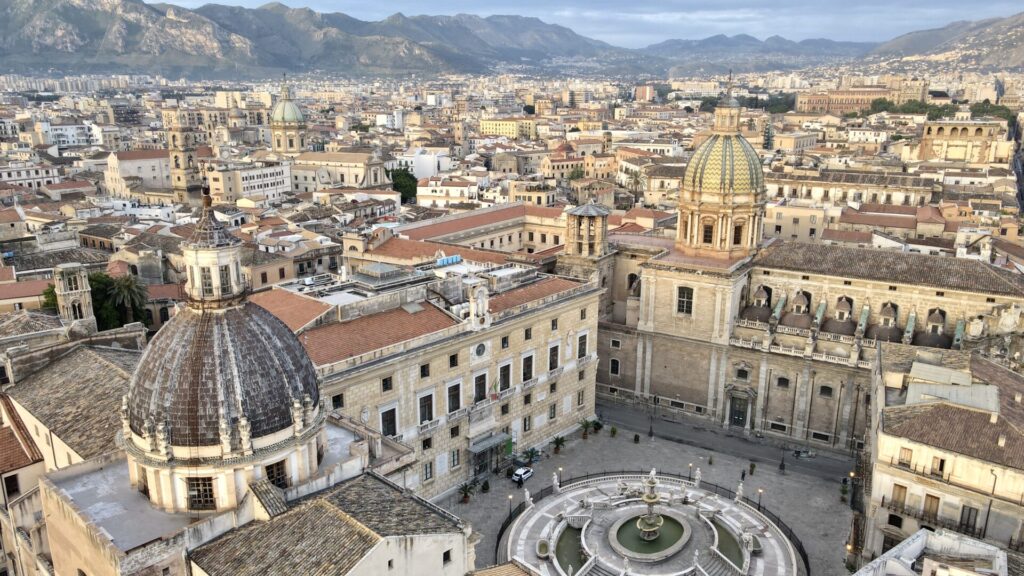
(650, 524)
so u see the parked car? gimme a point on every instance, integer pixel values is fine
(522, 473)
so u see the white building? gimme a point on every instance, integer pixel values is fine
(151, 167)
(423, 163)
(29, 174)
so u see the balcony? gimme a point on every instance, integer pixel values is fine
(554, 374)
(458, 414)
(526, 385)
(430, 425)
(931, 518)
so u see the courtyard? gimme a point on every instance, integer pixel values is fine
(806, 496)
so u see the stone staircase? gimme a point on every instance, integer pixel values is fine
(715, 566)
(598, 570)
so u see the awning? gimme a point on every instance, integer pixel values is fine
(486, 443)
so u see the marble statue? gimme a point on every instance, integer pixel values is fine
(554, 482)
(696, 478)
(739, 492)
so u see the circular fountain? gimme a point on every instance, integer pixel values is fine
(652, 535)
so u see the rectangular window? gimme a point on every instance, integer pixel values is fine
(207, 281)
(424, 370)
(684, 300)
(426, 408)
(527, 422)
(504, 409)
(579, 398)
(263, 277)
(454, 397)
(454, 431)
(385, 384)
(276, 475)
(338, 401)
(906, 456)
(504, 377)
(583, 313)
(456, 458)
(552, 357)
(479, 387)
(427, 443)
(200, 493)
(737, 235)
(613, 367)
(225, 280)
(446, 557)
(709, 234)
(428, 471)
(453, 360)
(616, 343)
(527, 398)
(11, 486)
(528, 334)
(504, 342)
(968, 517)
(581, 346)
(554, 324)
(280, 273)
(389, 422)
(528, 368)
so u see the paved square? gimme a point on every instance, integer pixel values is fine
(808, 502)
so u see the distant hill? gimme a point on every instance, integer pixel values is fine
(995, 43)
(230, 41)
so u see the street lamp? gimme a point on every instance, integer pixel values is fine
(689, 475)
(760, 491)
(559, 475)
(509, 506)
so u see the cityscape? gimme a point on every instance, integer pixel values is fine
(540, 290)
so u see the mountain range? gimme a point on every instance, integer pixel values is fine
(229, 41)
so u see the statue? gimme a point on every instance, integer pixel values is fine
(748, 541)
(554, 482)
(739, 492)
(696, 479)
(625, 567)
(653, 472)
(696, 557)
(527, 498)
(623, 487)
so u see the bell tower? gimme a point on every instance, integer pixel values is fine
(181, 144)
(74, 298)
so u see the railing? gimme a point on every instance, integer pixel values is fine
(555, 373)
(681, 478)
(752, 324)
(947, 478)
(932, 518)
(792, 331)
(527, 384)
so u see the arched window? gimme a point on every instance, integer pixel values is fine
(782, 382)
(742, 373)
(825, 391)
(613, 367)
(978, 132)
(633, 285)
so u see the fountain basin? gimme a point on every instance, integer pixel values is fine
(627, 539)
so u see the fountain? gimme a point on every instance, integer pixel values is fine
(650, 524)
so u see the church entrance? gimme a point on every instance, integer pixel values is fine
(738, 411)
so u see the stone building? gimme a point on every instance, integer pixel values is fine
(287, 126)
(965, 139)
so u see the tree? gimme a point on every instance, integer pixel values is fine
(574, 129)
(576, 173)
(50, 298)
(531, 455)
(637, 182)
(558, 442)
(466, 490)
(586, 425)
(128, 295)
(529, 109)
(404, 183)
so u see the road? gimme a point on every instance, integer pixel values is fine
(703, 434)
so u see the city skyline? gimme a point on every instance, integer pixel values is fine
(648, 22)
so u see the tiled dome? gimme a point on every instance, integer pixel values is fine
(723, 164)
(286, 111)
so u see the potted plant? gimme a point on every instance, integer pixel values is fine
(597, 426)
(586, 425)
(752, 467)
(485, 487)
(842, 493)
(711, 460)
(558, 442)
(613, 431)
(636, 438)
(466, 490)
(531, 455)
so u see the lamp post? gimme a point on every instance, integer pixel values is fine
(689, 475)
(559, 475)
(760, 491)
(782, 463)
(509, 506)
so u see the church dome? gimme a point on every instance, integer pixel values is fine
(207, 367)
(286, 111)
(724, 164)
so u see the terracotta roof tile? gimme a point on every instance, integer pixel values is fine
(295, 310)
(525, 294)
(446, 226)
(417, 251)
(336, 342)
(25, 289)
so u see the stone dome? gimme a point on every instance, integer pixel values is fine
(286, 111)
(724, 164)
(227, 363)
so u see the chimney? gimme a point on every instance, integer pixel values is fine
(1002, 440)
(1017, 397)
(993, 418)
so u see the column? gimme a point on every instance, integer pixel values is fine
(762, 384)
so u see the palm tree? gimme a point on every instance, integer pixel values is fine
(128, 293)
(558, 442)
(637, 182)
(466, 490)
(531, 455)
(586, 425)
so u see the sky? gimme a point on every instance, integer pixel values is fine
(638, 23)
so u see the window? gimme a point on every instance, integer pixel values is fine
(427, 443)
(938, 466)
(428, 471)
(825, 391)
(527, 398)
(742, 374)
(426, 408)
(554, 324)
(456, 458)
(424, 370)
(263, 277)
(504, 342)
(583, 313)
(906, 456)
(777, 426)
(338, 401)
(821, 436)
(385, 384)
(11, 486)
(579, 398)
(528, 368)
(613, 367)
(616, 343)
(737, 235)
(527, 422)
(389, 422)
(528, 334)
(453, 361)
(968, 517)
(708, 234)
(200, 493)
(454, 397)
(277, 475)
(446, 557)
(207, 281)
(454, 431)
(581, 346)
(225, 280)
(684, 300)
(782, 382)
(895, 520)
(504, 409)
(280, 273)
(552, 357)
(553, 387)
(479, 387)
(552, 412)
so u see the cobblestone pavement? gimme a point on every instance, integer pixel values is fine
(806, 496)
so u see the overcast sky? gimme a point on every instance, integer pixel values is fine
(636, 23)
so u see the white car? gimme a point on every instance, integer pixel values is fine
(522, 473)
